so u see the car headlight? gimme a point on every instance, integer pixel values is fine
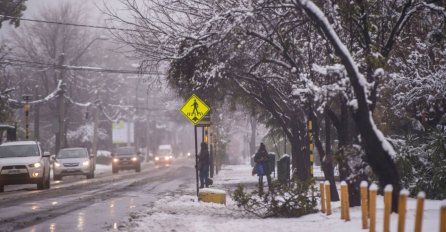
(56, 164)
(167, 158)
(188, 154)
(134, 158)
(86, 163)
(115, 160)
(35, 165)
(157, 158)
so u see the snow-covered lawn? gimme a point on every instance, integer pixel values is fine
(182, 212)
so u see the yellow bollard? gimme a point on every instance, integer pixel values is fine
(387, 207)
(419, 213)
(364, 202)
(372, 207)
(443, 218)
(347, 204)
(343, 198)
(321, 187)
(328, 197)
(402, 209)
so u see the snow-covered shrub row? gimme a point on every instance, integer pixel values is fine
(421, 159)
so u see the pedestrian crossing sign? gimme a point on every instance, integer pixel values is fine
(194, 109)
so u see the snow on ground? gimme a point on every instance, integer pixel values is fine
(182, 212)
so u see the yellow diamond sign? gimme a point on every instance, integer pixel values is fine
(194, 109)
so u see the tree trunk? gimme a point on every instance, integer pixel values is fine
(300, 157)
(326, 158)
(252, 143)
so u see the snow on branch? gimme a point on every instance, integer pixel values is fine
(19, 103)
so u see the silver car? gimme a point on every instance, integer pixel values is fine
(73, 161)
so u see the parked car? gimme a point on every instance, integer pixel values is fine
(125, 158)
(24, 162)
(73, 161)
(164, 155)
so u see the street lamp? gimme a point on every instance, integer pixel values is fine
(26, 107)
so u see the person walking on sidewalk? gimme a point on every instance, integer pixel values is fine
(262, 167)
(203, 165)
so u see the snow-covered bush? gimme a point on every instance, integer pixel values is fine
(421, 161)
(293, 200)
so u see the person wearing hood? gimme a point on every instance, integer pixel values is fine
(262, 167)
(203, 165)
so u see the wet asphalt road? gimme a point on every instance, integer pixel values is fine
(100, 204)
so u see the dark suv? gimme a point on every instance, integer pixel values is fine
(24, 163)
(125, 158)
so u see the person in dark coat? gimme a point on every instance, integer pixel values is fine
(261, 157)
(203, 165)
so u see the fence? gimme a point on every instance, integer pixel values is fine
(368, 206)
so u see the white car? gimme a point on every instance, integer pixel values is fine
(73, 161)
(24, 163)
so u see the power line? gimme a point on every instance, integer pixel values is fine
(35, 64)
(68, 24)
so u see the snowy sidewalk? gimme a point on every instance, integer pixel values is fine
(182, 212)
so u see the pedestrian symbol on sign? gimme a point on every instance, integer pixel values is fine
(194, 109)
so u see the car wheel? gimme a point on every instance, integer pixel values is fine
(138, 168)
(57, 177)
(47, 183)
(41, 183)
(114, 170)
(2, 188)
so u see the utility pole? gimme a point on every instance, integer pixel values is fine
(60, 135)
(36, 115)
(95, 128)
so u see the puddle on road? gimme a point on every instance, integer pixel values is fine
(106, 215)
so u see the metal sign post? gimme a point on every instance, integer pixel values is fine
(196, 158)
(195, 109)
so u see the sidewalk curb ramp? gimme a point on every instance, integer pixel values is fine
(212, 195)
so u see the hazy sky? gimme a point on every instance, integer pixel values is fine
(95, 16)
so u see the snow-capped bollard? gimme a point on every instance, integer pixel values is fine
(345, 214)
(419, 212)
(343, 188)
(322, 190)
(402, 209)
(372, 207)
(328, 197)
(364, 203)
(387, 207)
(212, 195)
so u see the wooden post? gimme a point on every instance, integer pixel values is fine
(402, 209)
(372, 207)
(443, 218)
(346, 204)
(343, 199)
(419, 212)
(321, 187)
(364, 202)
(387, 207)
(328, 197)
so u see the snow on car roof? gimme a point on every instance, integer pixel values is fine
(18, 143)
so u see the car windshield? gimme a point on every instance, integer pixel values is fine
(72, 153)
(125, 151)
(165, 151)
(18, 151)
